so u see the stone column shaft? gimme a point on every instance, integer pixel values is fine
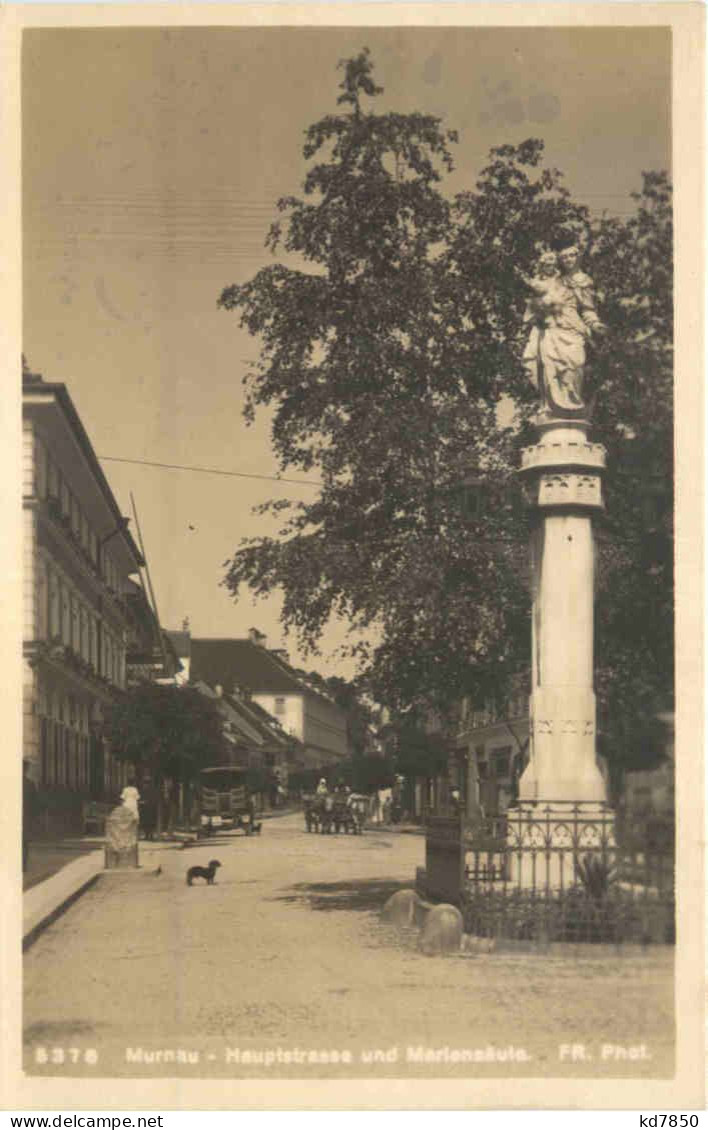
(563, 471)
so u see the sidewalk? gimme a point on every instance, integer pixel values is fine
(46, 900)
(47, 857)
(59, 871)
(400, 829)
(63, 870)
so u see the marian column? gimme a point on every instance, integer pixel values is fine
(562, 806)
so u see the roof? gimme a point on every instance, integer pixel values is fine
(270, 728)
(181, 642)
(36, 390)
(230, 662)
(254, 724)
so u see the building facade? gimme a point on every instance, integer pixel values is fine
(247, 667)
(486, 748)
(256, 742)
(150, 654)
(78, 558)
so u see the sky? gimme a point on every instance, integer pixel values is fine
(152, 162)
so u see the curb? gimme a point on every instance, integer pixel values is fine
(42, 904)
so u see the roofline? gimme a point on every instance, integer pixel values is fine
(61, 394)
(277, 662)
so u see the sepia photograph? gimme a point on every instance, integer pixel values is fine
(348, 474)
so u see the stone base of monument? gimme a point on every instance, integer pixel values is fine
(121, 850)
(550, 842)
(115, 860)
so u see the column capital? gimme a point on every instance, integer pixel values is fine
(564, 468)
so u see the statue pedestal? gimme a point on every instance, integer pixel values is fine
(121, 849)
(562, 809)
(115, 860)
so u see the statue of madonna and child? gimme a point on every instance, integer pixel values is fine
(562, 316)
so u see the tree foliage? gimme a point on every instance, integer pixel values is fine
(390, 345)
(171, 731)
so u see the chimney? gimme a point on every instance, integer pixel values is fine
(257, 637)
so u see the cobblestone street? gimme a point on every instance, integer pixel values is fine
(287, 951)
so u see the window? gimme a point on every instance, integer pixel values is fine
(54, 611)
(280, 706)
(44, 735)
(75, 626)
(52, 479)
(501, 759)
(65, 615)
(93, 654)
(42, 602)
(40, 467)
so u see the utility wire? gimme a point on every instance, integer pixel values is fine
(209, 471)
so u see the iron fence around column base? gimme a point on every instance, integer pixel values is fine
(600, 881)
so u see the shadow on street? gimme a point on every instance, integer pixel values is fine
(357, 894)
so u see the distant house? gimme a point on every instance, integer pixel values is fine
(255, 741)
(248, 670)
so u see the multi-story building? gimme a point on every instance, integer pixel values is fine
(248, 666)
(150, 655)
(78, 557)
(487, 748)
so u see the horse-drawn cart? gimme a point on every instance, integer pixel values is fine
(335, 812)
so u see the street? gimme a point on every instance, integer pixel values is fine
(286, 951)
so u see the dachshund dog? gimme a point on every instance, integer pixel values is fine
(207, 873)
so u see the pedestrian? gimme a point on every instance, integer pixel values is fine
(29, 809)
(148, 813)
(322, 789)
(387, 809)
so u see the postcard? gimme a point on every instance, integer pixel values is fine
(354, 599)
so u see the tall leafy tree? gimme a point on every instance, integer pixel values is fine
(633, 417)
(391, 356)
(169, 733)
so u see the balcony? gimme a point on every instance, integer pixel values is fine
(63, 659)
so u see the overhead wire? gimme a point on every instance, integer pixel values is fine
(210, 471)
